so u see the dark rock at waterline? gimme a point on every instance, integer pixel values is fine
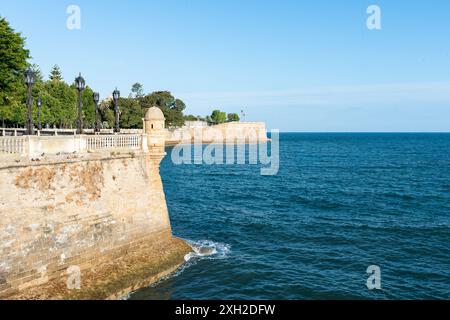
(205, 250)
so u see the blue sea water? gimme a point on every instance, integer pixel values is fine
(340, 203)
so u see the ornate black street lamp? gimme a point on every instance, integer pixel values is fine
(116, 96)
(29, 81)
(80, 84)
(39, 104)
(96, 100)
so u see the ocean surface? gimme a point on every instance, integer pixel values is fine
(339, 204)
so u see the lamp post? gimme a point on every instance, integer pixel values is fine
(96, 100)
(116, 96)
(39, 104)
(29, 81)
(81, 84)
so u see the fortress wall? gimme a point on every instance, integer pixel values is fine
(234, 131)
(244, 131)
(104, 213)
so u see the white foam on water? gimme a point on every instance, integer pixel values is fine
(201, 250)
(207, 249)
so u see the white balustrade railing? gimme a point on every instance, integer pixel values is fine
(131, 142)
(12, 145)
(57, 132)
(35, 146)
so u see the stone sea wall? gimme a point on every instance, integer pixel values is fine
(98, 221)
(231, 132)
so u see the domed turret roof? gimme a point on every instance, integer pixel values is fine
(154, 113)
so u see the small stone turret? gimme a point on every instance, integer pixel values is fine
(154, 128)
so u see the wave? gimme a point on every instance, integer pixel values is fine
(207, 249)
(202, 249)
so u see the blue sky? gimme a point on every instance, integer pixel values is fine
(297, 65)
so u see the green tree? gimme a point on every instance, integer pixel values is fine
(59, 99)
(37, 72)
(131, 114)
(218, 117)
(190, 118)
(137, 90)
(13, 62)
(13, 115)
(106, 108)
(171, 107)
(59, 103)
(88, 108)
(194, 118)
(233, 117)
(55, 74)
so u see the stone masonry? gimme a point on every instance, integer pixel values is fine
(102, 213)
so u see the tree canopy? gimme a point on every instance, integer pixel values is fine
(137, 90)
(191, 117)
(55, 74)
(13, 62)
(37, 72)
(171, 107)
(58, 103)
(218, 117)
(59, 98)
(233, 117)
